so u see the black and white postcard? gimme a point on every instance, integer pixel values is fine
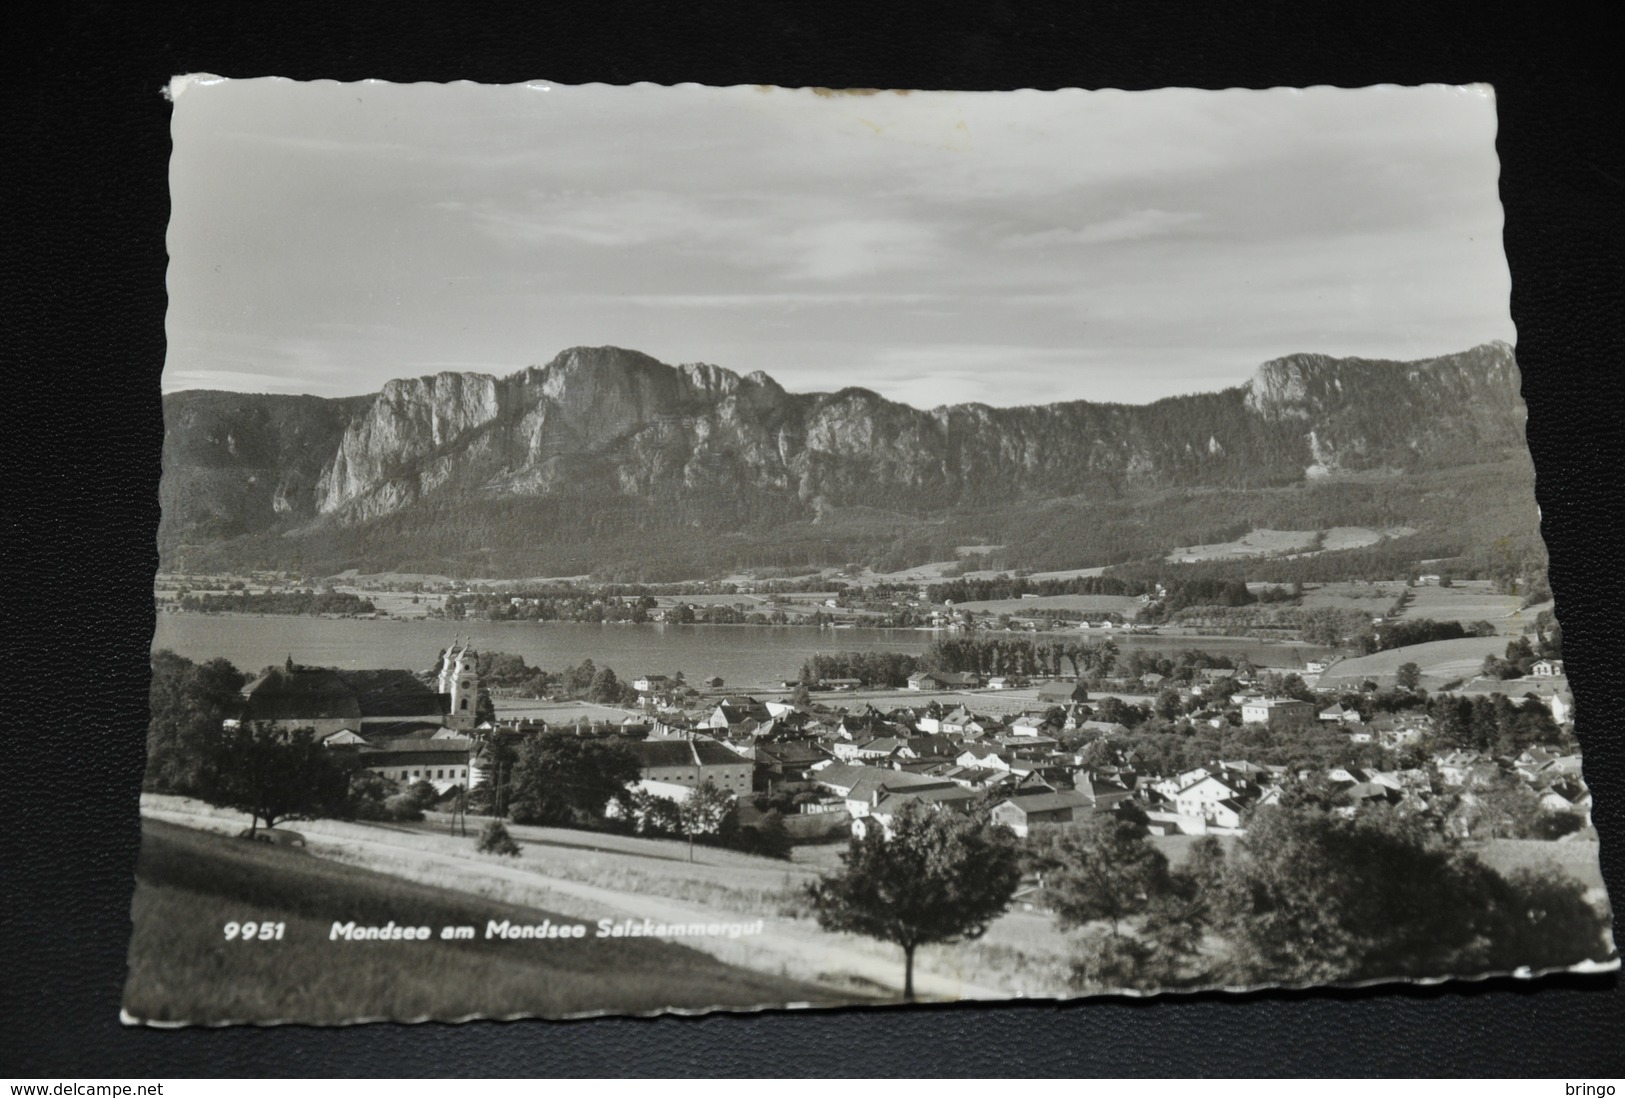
(653, 549)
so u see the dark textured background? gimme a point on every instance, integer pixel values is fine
(86, 148)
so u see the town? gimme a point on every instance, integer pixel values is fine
(1168, 768)
(1044, 753)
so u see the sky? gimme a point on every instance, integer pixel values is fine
(936, 247)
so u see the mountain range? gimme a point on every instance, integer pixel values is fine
(607, 460)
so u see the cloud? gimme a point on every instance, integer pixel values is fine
(841, 249)
(998, 247)
(1135, 225)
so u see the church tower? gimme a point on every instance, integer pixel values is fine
(459, 680)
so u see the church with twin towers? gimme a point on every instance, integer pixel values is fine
(458, 681)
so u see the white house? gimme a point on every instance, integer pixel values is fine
(1028, 724)
(1276, 712)
(1226, 814)
(1199, 798)
(441, 763)
(346, 737)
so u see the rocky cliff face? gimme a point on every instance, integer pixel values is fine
(1355, 410)
(604, 423)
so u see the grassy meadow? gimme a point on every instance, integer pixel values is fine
(182, 968)
(1468, 601)
(1440, 661)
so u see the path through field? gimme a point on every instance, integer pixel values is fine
(795, 948)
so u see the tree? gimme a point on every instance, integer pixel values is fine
(1314, 896)
(654, 815)
(274, 774)
(560, 779)
(1097, 753)
(1102, 868)
(707, 812)
(1169, 704)
(423, 794)
(189, 702)
(1107, 871)
(494, 839)
(773, 839)
(937, 877)
(578, 679)
(1498, 807)
(605, 687)
(1408, 675)
(492, 793)
(368, 794)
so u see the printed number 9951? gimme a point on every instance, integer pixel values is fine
(255, 932)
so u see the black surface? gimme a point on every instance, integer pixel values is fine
(85, 167)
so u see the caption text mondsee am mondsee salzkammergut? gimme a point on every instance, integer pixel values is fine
(507, 929)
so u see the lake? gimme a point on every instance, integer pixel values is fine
(743, 655)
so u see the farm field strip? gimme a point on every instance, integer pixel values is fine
(792, 948)
(183, 967)
(1264, 542)
(1439, 660)
(1121, 604)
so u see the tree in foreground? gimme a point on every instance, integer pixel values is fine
(652, 814)
(706, 813)
(938, 877)
(189, 702)
(1099, 869)
(1314, 896)
(1142, 922)
(273, 774)
(494, 839)
(560, 779)
(772, 837)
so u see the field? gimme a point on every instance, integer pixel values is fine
(1441, 662)
(1578, 859)
(398, 604)
(1465, 601)
(1273, 543)
(1469, 601)
(193, 879)
(592, 875)
(1373, 598)
(561, 712)
(1091, 604)
(182, 968)
(930, 572)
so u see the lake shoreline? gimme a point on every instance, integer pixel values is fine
(1133, 636)
(741, 656)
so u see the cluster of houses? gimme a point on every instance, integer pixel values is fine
(866, 765)
(862, 765)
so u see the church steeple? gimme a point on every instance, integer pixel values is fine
(459, 680)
